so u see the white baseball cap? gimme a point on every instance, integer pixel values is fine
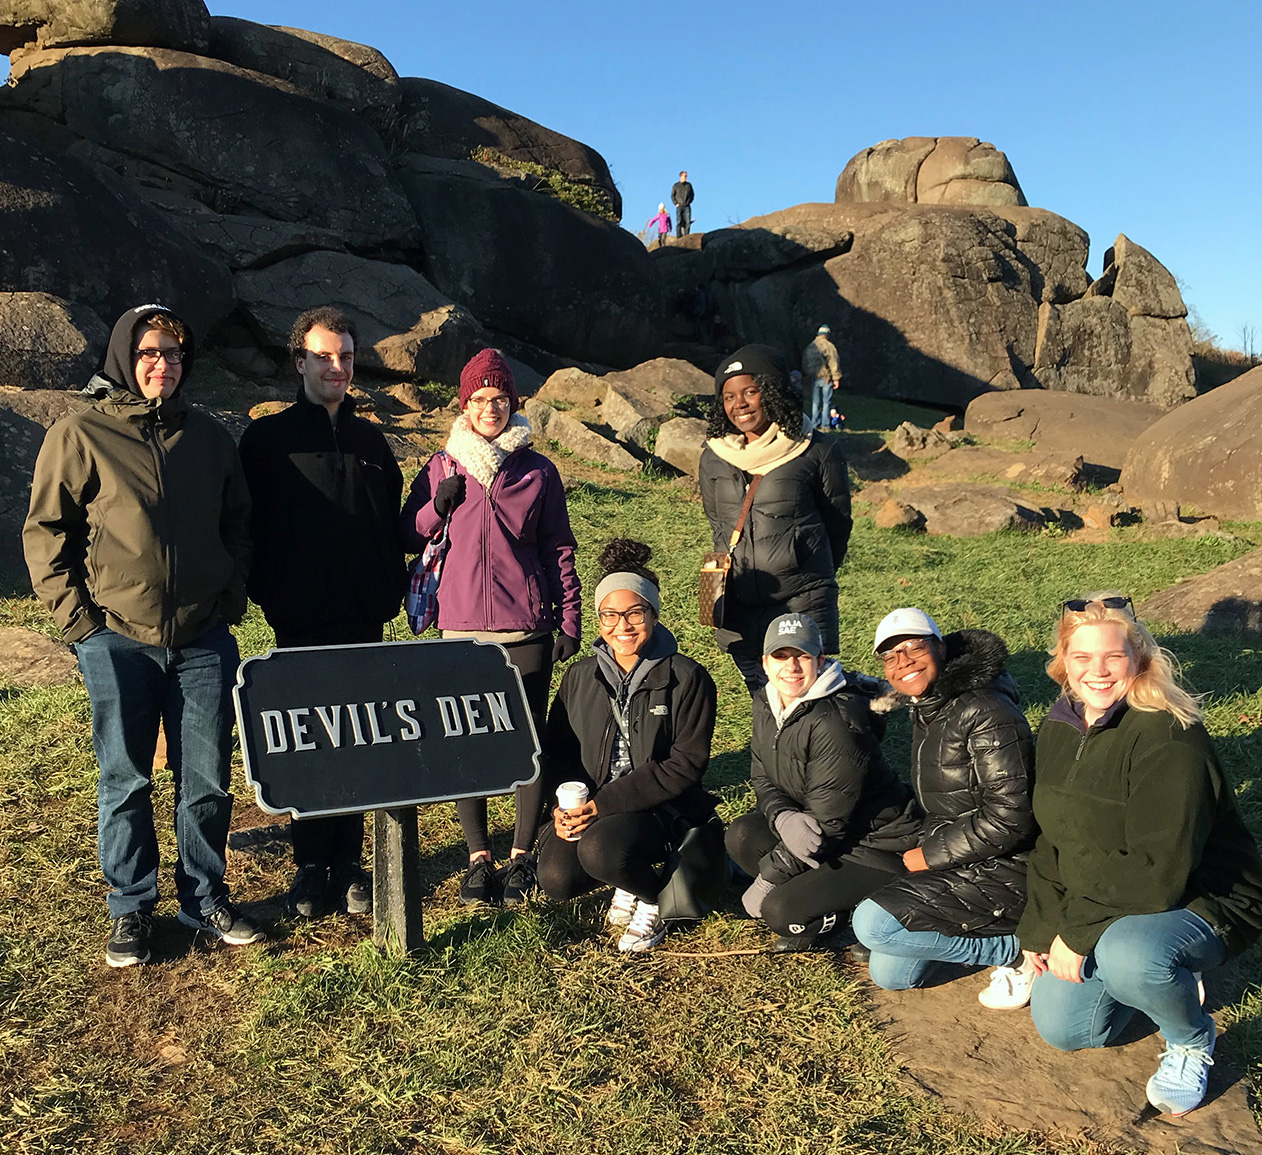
(907, 622)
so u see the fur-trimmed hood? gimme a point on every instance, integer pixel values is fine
(975, 660)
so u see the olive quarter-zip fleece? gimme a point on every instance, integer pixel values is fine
(139, 521)
(1135, 818)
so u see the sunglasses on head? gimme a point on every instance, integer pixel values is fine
(1078, 605)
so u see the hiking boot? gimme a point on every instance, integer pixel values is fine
(859, 953)
(1181, 1080)
(350, 888)
(480, 883)
(224, 922)
(1009, 988)
(645, 930)
(621, 908)
(517, 879)
(128, 943)
(306, 895)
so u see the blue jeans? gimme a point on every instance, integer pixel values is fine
(133, 686)
(1141, 962)
(821, 401)
(902, 958)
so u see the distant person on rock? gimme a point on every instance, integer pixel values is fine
(681, 198)
(138, 543)
(661, 224)
(328, 562)
(822, 373)
(509, 577)
(797, 524)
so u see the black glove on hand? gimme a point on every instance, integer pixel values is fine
(565, 648)
(448, 494)
(801, 835)
(752, 899)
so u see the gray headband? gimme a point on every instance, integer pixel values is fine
(632, 582)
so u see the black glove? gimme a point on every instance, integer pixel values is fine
(448, 494)
(565, 648)
(801, 834)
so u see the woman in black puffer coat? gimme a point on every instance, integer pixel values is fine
(972, 763)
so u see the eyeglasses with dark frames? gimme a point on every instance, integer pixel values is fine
(1078, 605)
(170, 356)
(633, 617)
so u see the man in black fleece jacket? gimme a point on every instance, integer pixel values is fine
(328, 564)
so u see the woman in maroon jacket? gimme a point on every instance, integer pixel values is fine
(508, 577)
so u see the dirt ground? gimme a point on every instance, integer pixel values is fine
(993, 1065)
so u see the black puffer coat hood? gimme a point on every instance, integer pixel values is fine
(972, 771)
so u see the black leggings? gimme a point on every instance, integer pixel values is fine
(802, 904)
(616, 851)
(533, 659)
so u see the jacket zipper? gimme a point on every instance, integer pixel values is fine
(160, 511)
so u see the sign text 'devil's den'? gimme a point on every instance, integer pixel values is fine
(336, 729)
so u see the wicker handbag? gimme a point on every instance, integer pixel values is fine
(717, 564)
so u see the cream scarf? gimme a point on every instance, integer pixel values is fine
(482, 458)
(761, 455)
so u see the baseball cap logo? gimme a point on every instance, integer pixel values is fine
(791, 627)
(734, 367)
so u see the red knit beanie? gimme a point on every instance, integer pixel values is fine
(488, 370)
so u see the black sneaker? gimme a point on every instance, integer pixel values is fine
(350, 888)
(306, 895)
(518, 879)
(128, 944)
(226, 923)
(480, 883)
(800, 938)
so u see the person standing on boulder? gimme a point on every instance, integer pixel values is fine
(661, 224)
(822, 369)
(681, 198)
(137, 541)
(508, 577)
(328, 562)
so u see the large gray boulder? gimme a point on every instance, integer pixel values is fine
(353, 75)
(1205, 455)
(1099, 429)
(570, 433)
(48, 343)
(532, 266)
(944, 170)
(680, 442)
(406, 326)
(244, 142)
(179, 24)
(970, 510)
(1227, 599)
(438, 120)
(83, 235)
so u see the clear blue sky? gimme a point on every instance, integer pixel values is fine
(1141, 118)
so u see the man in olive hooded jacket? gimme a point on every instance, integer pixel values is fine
(137, 541)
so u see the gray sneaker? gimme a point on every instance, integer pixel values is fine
(128, 944)
(226, 923)
(350, 888)
(306, 895)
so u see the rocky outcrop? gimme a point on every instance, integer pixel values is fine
(1227, 599)
(232, 138)
(75, 232)
(352, 75)
(532, 266)
(680, 442)
(970, 510)
(1204, 454)
(944, 170)
(47, 343)
(179, 24)
(572, 434)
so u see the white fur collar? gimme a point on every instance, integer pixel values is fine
(482, 458)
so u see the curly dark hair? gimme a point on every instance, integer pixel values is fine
(780, 401)
(327, 317)
(626, 555)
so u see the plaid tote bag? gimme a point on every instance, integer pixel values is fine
(426, 570)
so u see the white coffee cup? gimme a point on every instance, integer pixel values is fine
(570, 796)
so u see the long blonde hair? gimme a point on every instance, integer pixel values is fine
(1155, 686)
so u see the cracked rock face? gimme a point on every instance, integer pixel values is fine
(927, 170)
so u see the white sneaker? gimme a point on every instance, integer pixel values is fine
(645, 931)
(621, 908)
(1009, 988)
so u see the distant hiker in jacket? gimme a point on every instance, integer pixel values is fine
(328, 563)
(137, 541)
(633, 723)
(661, 224)
(832, 819)
(1143, 875)
(795, 536)
(509, 577)
(972, 754)
(681, 198)
(821, 370)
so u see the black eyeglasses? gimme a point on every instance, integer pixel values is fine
(910, 649)
(170, 356)
(1078, 605)
(633, 617)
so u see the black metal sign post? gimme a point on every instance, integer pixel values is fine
(384, 727)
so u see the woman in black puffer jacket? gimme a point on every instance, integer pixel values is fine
(972, 762)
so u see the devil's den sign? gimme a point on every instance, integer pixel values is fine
(339, 729)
